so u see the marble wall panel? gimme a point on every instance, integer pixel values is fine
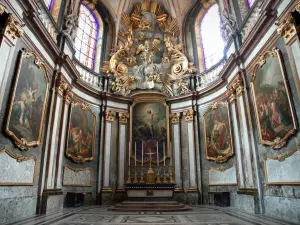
(226, 177)
(279, 172)
(17, 170)
(77, 176)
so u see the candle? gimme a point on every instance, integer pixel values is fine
(135, 154)
(157, 154)
(129, 154)
(142, 153)
(164, 153)
(171, 154)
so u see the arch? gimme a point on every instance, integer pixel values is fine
(209, 9)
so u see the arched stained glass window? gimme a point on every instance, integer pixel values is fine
(86, 38)
(250, 2)
(211, 36)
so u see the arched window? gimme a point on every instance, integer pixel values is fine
(86, 38)
(211, 37)
(250, 3)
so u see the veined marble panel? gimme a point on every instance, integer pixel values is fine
(17, 170)
(283, 171)
(222, 176)
(77, 176)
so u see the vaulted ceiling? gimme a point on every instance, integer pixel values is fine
(177, 8)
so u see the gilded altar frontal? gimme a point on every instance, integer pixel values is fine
(149, 112)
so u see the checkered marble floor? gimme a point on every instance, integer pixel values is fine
(200, 215)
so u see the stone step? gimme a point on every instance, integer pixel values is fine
(149, 209)
(153, 206)
(149, 203)
(150, 206)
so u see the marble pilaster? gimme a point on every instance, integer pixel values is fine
(8, 40)
(175, 119)
(123, 120)
(109, 117)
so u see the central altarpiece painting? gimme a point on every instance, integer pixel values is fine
(148, 64)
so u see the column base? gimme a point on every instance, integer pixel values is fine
(51, 201)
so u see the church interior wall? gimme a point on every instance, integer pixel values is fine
(244, 175)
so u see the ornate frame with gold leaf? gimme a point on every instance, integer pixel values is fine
(79, 159)
(219, 159)
(223, 169)
(150, 97)
(277, 143)
(21, 142)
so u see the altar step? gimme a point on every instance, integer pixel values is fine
(149, 206)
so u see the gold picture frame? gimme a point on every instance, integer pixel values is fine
(28, 102)
(81, 138)
(218, 150)
(274, 111)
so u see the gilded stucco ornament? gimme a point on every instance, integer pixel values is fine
(148, 55)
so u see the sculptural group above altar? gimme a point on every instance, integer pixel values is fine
(148, 55)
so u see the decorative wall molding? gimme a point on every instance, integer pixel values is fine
(222, 176)
(282, 169)
(78, 177)
(17, 170)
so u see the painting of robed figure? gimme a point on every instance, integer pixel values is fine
(81, 133)
(217, 132)
(273, 107)
(28, 101)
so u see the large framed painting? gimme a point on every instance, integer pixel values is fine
(217, 132)
(273, 107)
(28, 101)
(81, 133)
(149, 129)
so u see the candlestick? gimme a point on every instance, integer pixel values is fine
(157, 154)
(164, 153)
(129, 176)
(135, 154)
(129, 155)
(142, 153)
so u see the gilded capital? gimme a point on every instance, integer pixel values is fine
(231, 94)
(239, 86)
(2, 9)
(123, 117)
(13, 28)
(175, 117)
(188, 115)
(287, 28)
(110, 115)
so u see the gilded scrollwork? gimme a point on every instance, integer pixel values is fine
(13, 28)
(148, 55)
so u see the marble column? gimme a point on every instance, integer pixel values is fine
(8, 39)
(189, 119)
(245, 134)
(67, 98)
(236, 133)
(109, 117)
(53, 133)
(175, 119)
(123, 120)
